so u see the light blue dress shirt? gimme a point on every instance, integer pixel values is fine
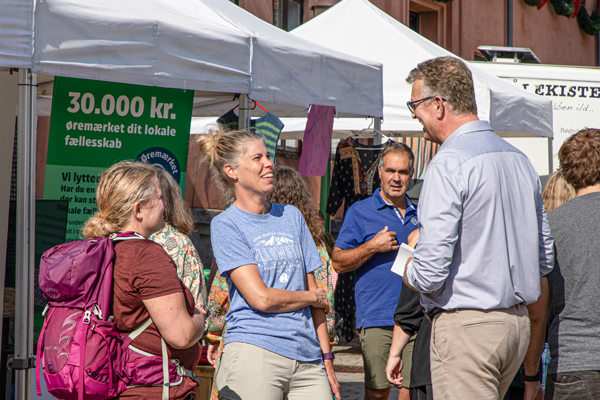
(484, 238)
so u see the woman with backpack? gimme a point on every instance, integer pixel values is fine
(145, 282)
(277, 344)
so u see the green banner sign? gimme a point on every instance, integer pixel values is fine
(96, 124)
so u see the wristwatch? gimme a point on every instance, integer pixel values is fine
(530, 378)
(328, 356)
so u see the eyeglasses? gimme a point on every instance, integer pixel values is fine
(412, 105)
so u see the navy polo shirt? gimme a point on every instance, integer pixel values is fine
(377, 288)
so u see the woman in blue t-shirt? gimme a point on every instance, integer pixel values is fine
(277, 345)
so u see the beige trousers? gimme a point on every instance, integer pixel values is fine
(249, 372)
(475, 354)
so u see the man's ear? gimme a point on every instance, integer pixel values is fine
(440, 108)
(379, 169)
(230, 171)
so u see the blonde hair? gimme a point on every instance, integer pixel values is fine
(121, 186)
(290, 188)
(177, 213)
(557, 191)
(219, 148)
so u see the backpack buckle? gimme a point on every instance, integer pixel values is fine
(87, 317)
(97, 311)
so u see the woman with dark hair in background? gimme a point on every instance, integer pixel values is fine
(290, 188)
(179, 223)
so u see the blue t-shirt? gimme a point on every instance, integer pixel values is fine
(280, 244)
(377, 288)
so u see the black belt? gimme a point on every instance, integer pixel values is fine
(431, 314)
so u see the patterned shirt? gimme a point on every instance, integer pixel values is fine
(354, 176)
(189, 267)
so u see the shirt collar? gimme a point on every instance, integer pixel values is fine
(381, 203)
(469, 127)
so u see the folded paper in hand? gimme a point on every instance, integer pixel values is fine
(404, 253)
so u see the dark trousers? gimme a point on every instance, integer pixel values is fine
(579, 385)
(421, 393)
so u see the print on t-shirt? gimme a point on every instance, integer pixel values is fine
(278, 256)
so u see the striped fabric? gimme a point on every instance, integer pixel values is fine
(424, 151)
(269, 127)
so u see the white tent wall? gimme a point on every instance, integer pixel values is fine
(329, 74)
(16, 33)
(177, 44)
(8, 108)
(211, 46)
(572, 111)
(358, 27)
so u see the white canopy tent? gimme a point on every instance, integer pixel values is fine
(186, 44)
(290, 70)
(211, 46)
(360, 28)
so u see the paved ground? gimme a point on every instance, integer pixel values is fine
(350, 373)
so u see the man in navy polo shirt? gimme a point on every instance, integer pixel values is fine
(367, 244)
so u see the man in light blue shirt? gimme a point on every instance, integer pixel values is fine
(484, 240)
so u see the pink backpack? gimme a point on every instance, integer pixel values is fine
(83, 353)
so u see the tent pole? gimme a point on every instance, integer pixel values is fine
(23, 360)
(8, 106)
(377, 139)
(244, 111)
(550, 157)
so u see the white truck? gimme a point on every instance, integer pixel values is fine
(575, 93)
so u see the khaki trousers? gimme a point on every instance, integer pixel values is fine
(475, 354)
(249, 372)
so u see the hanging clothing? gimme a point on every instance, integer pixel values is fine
(230, 120)
(269, 126)
(355, 175)
(316, 145)
(354, 178)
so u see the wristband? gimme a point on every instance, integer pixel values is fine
(530, 378)
(328, 356)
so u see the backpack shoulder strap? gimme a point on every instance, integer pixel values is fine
(125, 236)
(140, 329)
(165, 356)
(165, 368)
